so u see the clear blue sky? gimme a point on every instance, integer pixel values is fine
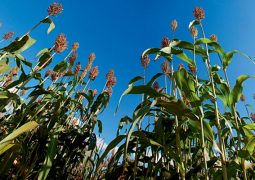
(118, 31)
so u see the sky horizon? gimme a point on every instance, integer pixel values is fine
(119, 31)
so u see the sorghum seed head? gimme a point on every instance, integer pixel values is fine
(93, 73)
(109, 91)
(199, 13)
(23, 92)
(111, 82)
(253, 116)
(94, 92)
(55, 9)
(54, 76)
(110, 74)
(165, 42)
(214, 38)
(92, 57)
(60, 43)
(145, 60)
(77, 68)
(8, 35)
(75, 46)
(193, 31)
(192, 69)
(73, 57)
(180, 66)
(165, 67)
(84, 72)
(156, 85)
(242, 98)
(174, 25)
(48, 73)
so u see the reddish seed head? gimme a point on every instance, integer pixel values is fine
(165, 42)
(94, 92)
(109, 91)
(111, 82)
(145, 60)
(253, 116)
(156, 85)
(8, 35)
(54, 76)
(77, 68)
(174, 25)
(23, 92)
(193, 31)
(54, 9)
(75, 46)
(214, 38)
(185, 100)
(92, 57)
(48, 73)
(199, 13)
(93, 73)
(60, 43)
(165, 67)
(242, 98)
(110, 75)
(73, 57)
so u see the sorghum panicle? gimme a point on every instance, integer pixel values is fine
(242, 98)
(156, 85)
(253, 116)
(110, 74)
(165, 67)
(73, 57)
(93, 73)
(23, 92)
(75, 46)
(60, 43)
(145, 60)
(94, 92)
(48, 73)
(111, 82)
(174, 25)
(194, 32)
(77, 68)
(8, 35)
(185, 100)
(92, 57)
(109, 91)
(165, 42)
(199, 13)
(214, 38)
(55, 9)
(54, 76)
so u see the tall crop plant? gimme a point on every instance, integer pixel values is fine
(191, 136)
(48, 116)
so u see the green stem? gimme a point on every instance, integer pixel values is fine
(217, 119)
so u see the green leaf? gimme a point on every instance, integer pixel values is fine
(50, 22)
(250, 145)
(207, 128)
(51, 152)
(237, 91)
(16, 133)
(61, 66)
(193, 23)
(20, 45)
(45, 50)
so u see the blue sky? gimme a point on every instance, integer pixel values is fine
(118, 31)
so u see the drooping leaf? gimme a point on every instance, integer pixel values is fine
(50, 22)
(20, 45)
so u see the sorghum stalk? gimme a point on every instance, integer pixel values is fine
(223, 153)
(202, 113)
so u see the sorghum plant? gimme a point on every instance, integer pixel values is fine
(191, 137)
(48, 116)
